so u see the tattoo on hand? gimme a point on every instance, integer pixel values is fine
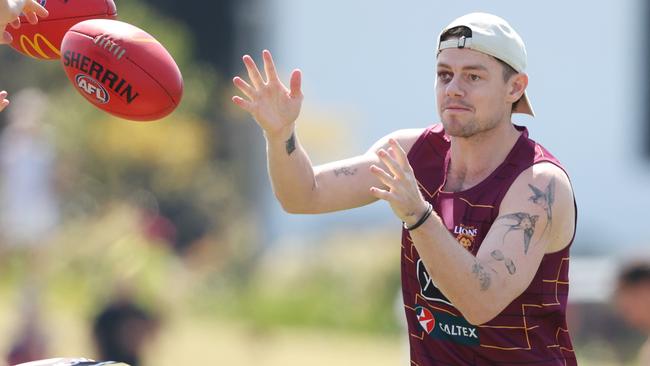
(510, 265)
(482, 275)
(290, 144)
(545, 199)
(524, 222)
(345, 171)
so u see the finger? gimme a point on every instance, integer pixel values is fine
(384, 177)
(242, 103)
(399, 153)
(3, 101)
(245, 88)
(39, 10)
(381, 194)
(6, 38)
(295, 84)
(15, 24)
(253, 72)
(31, 18)
(390, 163)
(269, 66)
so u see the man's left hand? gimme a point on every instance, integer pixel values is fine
(403, 193)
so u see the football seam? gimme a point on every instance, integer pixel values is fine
(143, 70)
(66, 18)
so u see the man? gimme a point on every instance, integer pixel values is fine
(488, 214)
(632, 298)
(10, 11)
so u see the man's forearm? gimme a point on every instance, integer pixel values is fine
(460, 276)
(291, 172)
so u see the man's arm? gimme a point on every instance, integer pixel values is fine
(298, 186)
(536, 216)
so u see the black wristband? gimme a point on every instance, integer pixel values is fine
(421, 220)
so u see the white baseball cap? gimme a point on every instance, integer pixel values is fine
(491, 35)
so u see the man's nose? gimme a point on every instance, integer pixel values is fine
(454, 88)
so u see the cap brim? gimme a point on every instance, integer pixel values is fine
(523, 106)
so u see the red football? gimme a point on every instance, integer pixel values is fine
(43, 40)
(121, 69)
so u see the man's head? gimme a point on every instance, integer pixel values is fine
(480, 74)
(632, 296)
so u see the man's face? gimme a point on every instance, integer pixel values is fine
(633, 303)
(470, 91)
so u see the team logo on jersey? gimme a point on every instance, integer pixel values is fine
(465, 235)
(428, 288)
(426, 319)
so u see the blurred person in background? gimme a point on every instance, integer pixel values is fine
(30, 343)
(9, 12)
(488, 214)
(122, 329)
(29, 212)
(29, 207)
(632, 299)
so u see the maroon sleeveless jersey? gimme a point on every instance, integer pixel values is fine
(532, 330)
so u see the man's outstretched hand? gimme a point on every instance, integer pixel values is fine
(274, 106)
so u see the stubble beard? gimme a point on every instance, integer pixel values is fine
(455, 127)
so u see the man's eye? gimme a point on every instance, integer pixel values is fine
(474, 77)
(444, 76)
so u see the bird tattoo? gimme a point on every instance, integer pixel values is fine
(524, 222)
(544, 198)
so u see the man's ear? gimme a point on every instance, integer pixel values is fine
(516, 87)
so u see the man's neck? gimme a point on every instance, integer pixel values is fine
(474, 158)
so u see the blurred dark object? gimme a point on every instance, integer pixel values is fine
(122, 329)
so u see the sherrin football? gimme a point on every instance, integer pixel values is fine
(43, 40)
(121, 69)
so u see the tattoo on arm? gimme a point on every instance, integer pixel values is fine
(510, 265)
(484, 278)
(544, 198)
(345, 171)
(524, 222)
(290, 144)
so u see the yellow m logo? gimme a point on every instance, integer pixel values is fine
(35, 44)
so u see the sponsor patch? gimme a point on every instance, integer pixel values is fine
(428, 288)
(447, 327)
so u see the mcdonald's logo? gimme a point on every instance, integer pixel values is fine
(37, 45)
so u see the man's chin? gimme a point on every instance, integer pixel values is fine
(457, 128)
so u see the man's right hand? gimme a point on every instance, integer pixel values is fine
(4, 102)
(10, 11)
(274, 106)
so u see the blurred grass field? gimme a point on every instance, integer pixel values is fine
(312, 306)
